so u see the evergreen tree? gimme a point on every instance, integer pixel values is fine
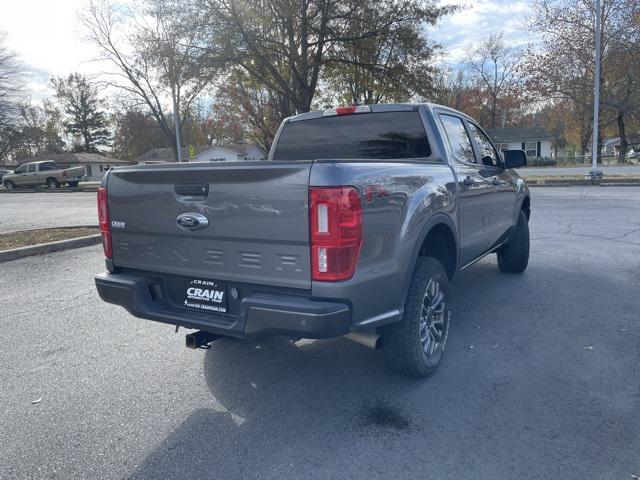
(83, 119)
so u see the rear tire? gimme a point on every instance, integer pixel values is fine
(514, 256)
(9, 185)
(415, 345)
(52, 183)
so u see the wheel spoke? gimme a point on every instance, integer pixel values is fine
(437, 302)
(433, 343)
(437, 334)
(424, 332)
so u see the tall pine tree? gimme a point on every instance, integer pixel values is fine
(83, 119)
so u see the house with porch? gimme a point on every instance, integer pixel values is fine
(537, 142)
(611, 146)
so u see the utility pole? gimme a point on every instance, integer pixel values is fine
(176, 124)
(595, 173)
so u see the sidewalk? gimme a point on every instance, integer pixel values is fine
(578, 170)
(83, 187)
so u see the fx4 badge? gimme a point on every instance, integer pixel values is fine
(371, 192)
(192, 221)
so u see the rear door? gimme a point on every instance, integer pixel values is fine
(257, 221)
(504, 198)
(31, 177)
(474, 187)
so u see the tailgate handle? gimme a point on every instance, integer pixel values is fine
(195, 190)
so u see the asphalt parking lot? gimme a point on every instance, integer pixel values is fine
(540, 381)
(23, 211)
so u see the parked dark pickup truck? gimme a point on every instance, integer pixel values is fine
(354, 226)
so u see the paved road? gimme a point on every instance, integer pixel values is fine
(548, 391)
(22, 211)
(555, 171)
(41, 210)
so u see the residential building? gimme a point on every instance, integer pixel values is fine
(166, 154)
(611, 146)
(231, 153)
(537, 142)
(205, 153)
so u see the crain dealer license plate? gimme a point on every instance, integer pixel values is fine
(206, 295)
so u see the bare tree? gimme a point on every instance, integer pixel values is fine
(11, 84)
(621, 80)
(395, 65)
(40, 129)
(495, 66)
(451, 87)
(156, 52)
(563, 67)
(283, 45)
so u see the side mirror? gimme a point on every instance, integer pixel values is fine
(514, 158)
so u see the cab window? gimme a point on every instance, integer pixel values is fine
(47, 166)
(458, 138)
(21, 169)
(31, 168)
(488, 155)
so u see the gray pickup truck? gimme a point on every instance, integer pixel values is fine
(354, 227)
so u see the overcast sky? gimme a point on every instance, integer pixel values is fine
(47, 34)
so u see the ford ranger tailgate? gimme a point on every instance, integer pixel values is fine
(241, 222)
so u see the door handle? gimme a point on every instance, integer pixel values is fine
(468, 181)
(495, 182)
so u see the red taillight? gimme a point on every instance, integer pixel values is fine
(335, 215)
(346, 110)
(103, 222)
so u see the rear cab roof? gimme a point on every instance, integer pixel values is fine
(382, 107)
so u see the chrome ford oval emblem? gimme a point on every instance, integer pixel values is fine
(192, 221)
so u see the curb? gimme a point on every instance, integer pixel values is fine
(618, 182)
(43, 248)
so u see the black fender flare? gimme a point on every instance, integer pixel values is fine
(436, 219)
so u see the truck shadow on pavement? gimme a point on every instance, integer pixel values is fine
(279, 404)
(331, 409)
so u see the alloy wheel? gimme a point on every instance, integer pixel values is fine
(434, 319)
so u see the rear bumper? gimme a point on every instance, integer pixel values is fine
(259, 314)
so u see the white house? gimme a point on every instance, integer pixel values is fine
(230, 153)
(611, 146)
(205, 153)
(537, 142)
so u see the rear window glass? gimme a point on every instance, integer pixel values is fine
(47, 166)
(366, 135)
